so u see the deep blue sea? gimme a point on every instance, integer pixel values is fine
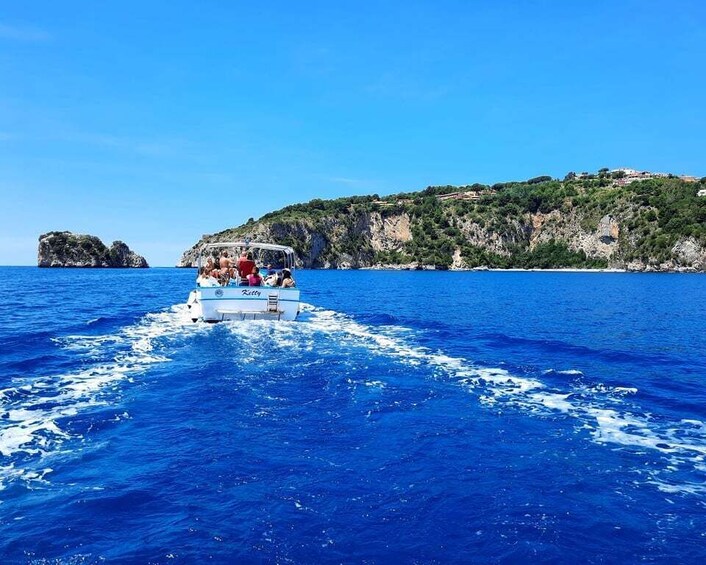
(406, 417)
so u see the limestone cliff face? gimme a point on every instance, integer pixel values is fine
(386, 234)
(358, 240)
(688, 255)
(66, 249)
(327, 243)
(601, 242)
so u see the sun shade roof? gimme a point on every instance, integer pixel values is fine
(248, 245)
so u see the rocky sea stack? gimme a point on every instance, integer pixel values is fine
(66, 249)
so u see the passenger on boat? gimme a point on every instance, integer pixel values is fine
(275, 279)
(254, 278)
(287, 280)
(245, 264)
(226, 265)
(206, 278)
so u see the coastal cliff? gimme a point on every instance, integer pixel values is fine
(66, 249)
(654, 224)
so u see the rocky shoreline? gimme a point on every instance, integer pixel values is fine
(386, 233)
(654, 225)
(642, 269)
(66, 249)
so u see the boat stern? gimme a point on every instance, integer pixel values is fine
(247, 303)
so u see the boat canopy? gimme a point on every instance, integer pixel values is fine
(279, 256)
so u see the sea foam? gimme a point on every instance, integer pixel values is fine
(601, 410)
(33, 407)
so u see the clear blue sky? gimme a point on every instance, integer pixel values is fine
(156, 122)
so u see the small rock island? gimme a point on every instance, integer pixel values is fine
(67, 249)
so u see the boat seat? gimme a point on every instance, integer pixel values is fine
(244, 314)
(226, 311)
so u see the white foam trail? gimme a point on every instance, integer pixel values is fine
(30, 411)
(31, 428)
(599, 408)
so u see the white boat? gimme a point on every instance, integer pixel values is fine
(213, 302)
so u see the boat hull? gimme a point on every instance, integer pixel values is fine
(216, 304)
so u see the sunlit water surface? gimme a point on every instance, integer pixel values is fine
(406, 416)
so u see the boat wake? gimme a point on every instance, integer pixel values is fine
(38, 413)
(609, 415)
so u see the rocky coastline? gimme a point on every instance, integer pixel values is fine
(390, 232)
(67, 249)
(584, 222)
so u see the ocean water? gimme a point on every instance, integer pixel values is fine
(406, 417)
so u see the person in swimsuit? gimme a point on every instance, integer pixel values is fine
(275, 279)
(206, 278)
(287, 280)
(227, 268)
(210, 265)
(254, 278)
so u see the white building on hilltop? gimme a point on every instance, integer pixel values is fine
(627, 172)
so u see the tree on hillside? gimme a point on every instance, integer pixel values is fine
(537, 180)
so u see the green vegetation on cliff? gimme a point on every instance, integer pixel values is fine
(539, 223)
(67, 249)
(66, 244)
